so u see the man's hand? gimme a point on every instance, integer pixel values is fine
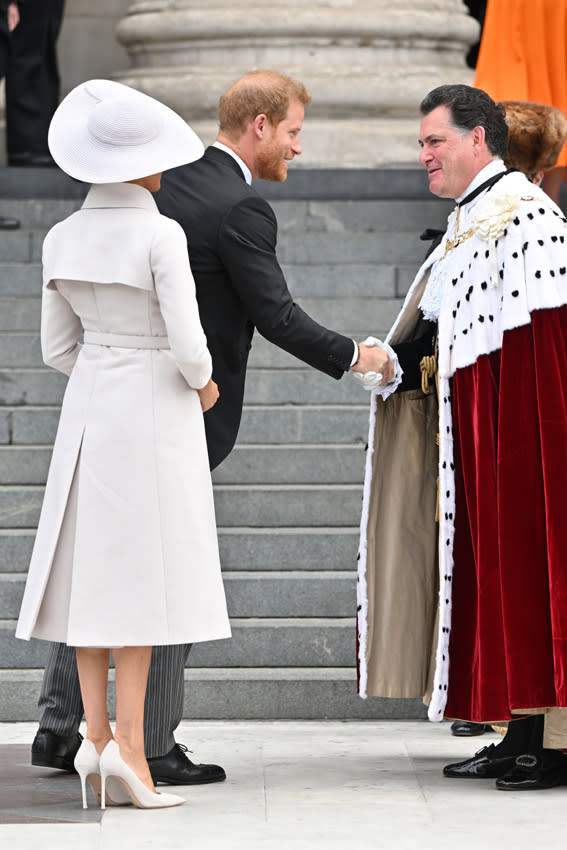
(13, 16)
(208, 395)
(374, 359)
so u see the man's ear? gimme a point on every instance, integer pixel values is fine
(259, 125)
(479, 138)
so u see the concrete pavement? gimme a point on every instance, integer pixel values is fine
(298, 785)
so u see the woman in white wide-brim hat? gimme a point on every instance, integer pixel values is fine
(126, 552)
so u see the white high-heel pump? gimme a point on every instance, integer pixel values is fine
(87, 766)
(112, 765)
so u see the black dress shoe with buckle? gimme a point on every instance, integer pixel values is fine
(58, 751)
(533, 773)
(175, 768)
(485, 764)
(465, 729)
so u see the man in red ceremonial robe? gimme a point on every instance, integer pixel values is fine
(471, 613)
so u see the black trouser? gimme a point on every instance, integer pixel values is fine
(32, 77)
(4, 39)
(524, 735)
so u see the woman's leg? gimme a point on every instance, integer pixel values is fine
(93, 677)
(132, 664)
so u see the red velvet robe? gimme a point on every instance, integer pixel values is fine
(502, 633)
(508, 644)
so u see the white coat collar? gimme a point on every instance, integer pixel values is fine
(103, 195)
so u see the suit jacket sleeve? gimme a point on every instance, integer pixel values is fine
(247, 247)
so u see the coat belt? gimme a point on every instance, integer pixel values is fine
(125, 340)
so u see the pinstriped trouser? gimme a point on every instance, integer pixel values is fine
(61, 706)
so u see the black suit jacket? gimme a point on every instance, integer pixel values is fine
(231, 235)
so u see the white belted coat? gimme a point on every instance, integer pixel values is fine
(126, 550)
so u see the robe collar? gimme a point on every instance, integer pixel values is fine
(496, 166)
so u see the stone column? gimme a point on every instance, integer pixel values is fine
(367, 64)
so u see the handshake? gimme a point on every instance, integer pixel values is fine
(377, 365)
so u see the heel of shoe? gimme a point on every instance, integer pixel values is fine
(86, 764)
(113, 765)
(102, 790)
(83, 778)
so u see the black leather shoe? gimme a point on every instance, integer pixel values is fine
(31, 160)
(464, 729)
(8, 223)
(176, 769)
(51, 750)
(533, 773)
(483, 765)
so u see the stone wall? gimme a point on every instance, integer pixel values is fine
(88, 47)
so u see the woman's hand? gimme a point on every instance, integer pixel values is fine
(208, 395)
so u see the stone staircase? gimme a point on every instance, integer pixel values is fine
(287, 499)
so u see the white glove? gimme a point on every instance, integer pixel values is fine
(371, 380)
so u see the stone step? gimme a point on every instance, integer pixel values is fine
(23, 314)
(304, 424)
(350, 247)
(255, 505)
(21, 246)
(353, 280)
(31, 386)
(25, 246)
(265, 693)
(39, 213)
(255, 464)
(361, 216)
(43, 386)
(20, 279)
(281, 464)
(241, 548)
(22, 349)
(20, 314)
(268, 424)
(249, 594)
(258, 642)
(301, 386)
(319, 280)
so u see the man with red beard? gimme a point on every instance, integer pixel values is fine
(231, 234)
(471, 613)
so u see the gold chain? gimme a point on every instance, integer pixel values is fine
(459, 237)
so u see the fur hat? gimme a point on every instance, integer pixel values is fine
(536, 134)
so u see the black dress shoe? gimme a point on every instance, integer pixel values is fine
(486, 764)
(533, 773)
(464, 729)
(31, 160)
(58, 751)
(8, 223)
(176, 769)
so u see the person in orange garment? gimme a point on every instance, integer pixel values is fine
(523, 56)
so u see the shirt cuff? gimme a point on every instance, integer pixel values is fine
(355, 355)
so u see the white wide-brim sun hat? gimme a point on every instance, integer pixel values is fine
(106, 132)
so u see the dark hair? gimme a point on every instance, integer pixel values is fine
(471, 108)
